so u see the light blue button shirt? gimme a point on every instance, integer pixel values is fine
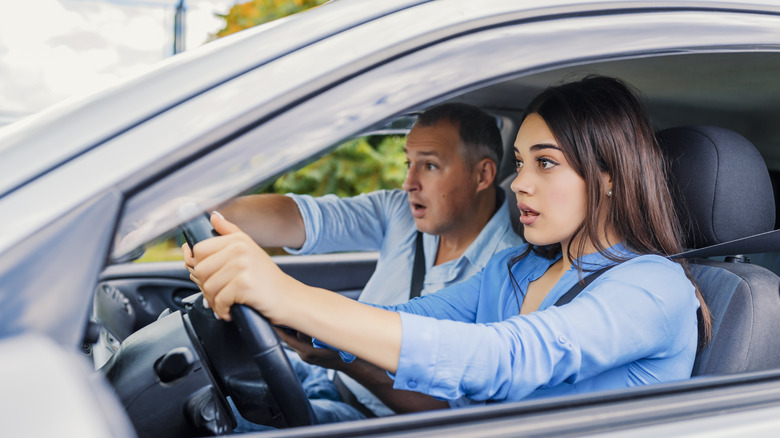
(634, 325)
(382, 221)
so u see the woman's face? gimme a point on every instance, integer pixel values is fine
(550, 194)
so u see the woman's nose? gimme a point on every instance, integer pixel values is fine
(521, 184)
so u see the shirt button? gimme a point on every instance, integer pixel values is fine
(411, 384)
(562, 339)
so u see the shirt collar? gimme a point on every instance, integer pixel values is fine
(589, 262)
(595, 261)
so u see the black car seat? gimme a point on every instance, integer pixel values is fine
(722, 191)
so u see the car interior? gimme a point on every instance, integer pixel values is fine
(716, 119)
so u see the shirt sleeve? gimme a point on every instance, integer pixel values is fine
(636, 310)
(457, 302)
(358, 223)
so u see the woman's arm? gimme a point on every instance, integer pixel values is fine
(231, 269)
(636, 324)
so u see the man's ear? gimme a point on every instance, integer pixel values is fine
(486, 172)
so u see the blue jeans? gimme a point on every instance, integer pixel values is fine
(325, 401)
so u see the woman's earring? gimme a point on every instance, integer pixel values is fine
(609, 193)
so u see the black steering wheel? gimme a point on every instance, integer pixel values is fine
(267, 351)
(260, 340)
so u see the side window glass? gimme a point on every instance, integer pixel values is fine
(360, 165)
(357, 166)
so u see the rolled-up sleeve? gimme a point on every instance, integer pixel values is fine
(346, 224)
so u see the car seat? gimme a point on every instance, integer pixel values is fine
(514, 212)
(722, 191)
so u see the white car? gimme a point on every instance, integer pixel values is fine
(84, 186)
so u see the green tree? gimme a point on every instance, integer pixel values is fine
(245, 15)
(357, 166)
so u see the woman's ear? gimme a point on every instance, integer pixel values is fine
(606, 182)
(485, 172)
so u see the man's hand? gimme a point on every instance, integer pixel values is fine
(373, 378)
(301, 343)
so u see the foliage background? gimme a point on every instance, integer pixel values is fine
(245, 15)
(357, 166)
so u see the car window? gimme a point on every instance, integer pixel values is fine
(359, 165)
(245, 158)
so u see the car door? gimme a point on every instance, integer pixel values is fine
(130, 296)
(264, 134)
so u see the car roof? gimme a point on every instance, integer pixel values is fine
(46, 140)
(41, 142)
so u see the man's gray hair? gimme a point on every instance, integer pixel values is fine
(477, 129)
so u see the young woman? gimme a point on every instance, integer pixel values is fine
(592, 193)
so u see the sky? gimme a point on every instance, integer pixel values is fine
(54, 49)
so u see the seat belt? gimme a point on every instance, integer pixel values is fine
(757, 243)
(418, 268)
(580, 285)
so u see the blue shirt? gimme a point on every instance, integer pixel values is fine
(634, 325)
(382, 221)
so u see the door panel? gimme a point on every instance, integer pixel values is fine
(130, 296)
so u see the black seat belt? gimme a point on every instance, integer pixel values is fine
(756, 243)
(762, 242)
(418, 268)
(580, 285)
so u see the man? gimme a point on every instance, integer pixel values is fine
(450, 198)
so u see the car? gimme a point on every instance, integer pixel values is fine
(86, 185)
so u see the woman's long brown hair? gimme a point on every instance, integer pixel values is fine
(601, 126)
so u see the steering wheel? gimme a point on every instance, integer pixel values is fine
(266, 349)
(259, 338)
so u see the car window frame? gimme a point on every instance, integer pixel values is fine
(655, 32)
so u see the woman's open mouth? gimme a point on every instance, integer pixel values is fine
(527, 214)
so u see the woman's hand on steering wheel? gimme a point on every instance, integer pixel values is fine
(233, 269)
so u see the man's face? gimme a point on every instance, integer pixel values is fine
(442, 187)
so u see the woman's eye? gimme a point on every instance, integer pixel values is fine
(546, 163)
(518, 164)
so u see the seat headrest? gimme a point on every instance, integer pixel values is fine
(514, 212)
(723, 190)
